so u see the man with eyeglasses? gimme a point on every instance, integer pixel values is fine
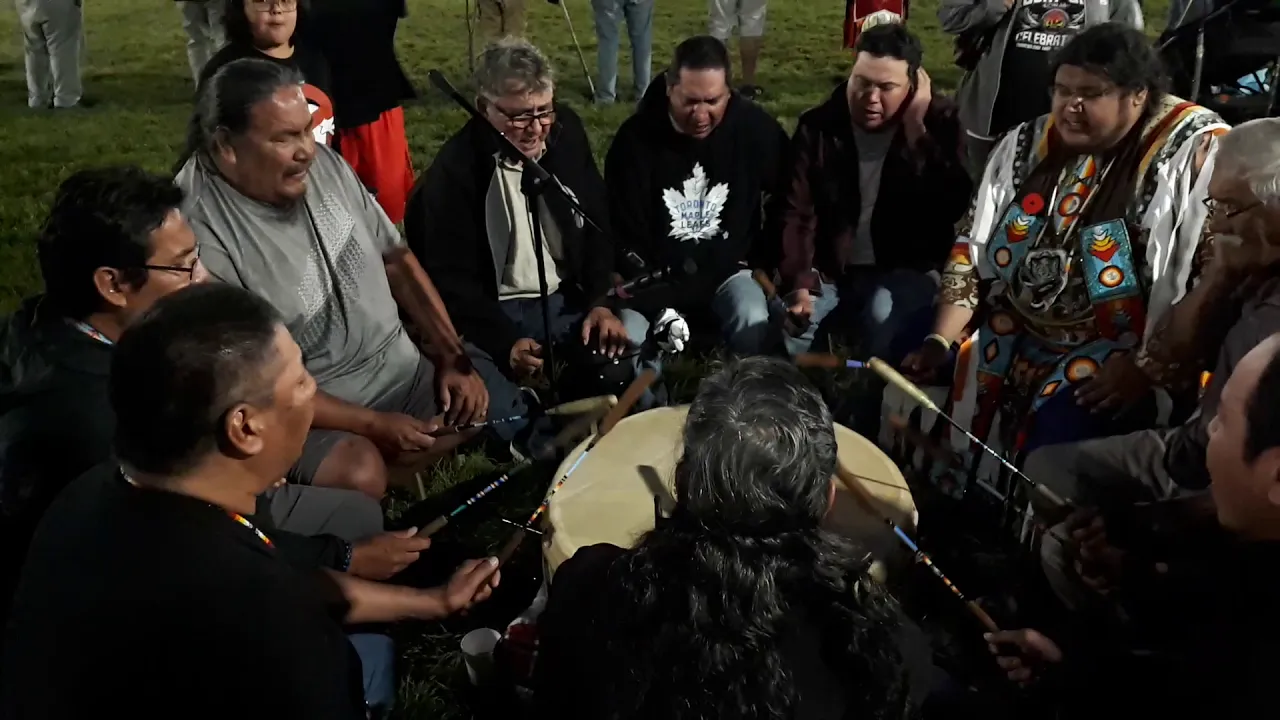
(1086, 230)
(471, 226)
(1234, 308)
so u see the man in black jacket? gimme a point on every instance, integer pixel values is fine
(877, 187)
(114, 243)
(689, 177)
(472, 229)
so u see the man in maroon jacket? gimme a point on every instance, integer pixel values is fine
(877, 187)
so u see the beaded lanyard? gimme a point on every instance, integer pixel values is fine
(234, 515)
(88, 329)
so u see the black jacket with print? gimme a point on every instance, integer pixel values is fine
(674, 197)
(445, 228)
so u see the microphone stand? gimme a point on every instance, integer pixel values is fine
(534, 182)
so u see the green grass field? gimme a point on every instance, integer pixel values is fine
(136, 69)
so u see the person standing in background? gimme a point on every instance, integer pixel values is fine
(52, 39)
(748, 16)
(1005, 45)
(202, 21)
(609, 15)
(358, 41)
(500, 18)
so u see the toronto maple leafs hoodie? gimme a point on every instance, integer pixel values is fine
(673, 197)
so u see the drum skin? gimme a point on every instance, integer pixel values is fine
(610, 496)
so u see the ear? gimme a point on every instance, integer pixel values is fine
(222, 143)
(111, 287)
(1140, 98)
(244, 427)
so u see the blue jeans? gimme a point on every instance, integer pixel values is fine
(743, 313)
(609, 15)
(566, 322)
(887, 313)
(377, 659)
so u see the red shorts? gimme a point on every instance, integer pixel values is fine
(379, 153)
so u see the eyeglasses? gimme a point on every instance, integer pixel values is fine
(1215, 206)
(523, 120)
(283, 6)
(190, 271)
(1070, 96)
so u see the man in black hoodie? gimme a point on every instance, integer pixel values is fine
(471, 227)
(114, 243)
(689, 177)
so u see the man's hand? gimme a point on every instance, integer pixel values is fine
(922, 365)
(473, 582)
(1117, 385)
(799, 311)
(526, 356)
(613, 336)
(463, 396)
(382, 556)
(1022, 653)
(913, 117)
(1098, 563)
(395, 433)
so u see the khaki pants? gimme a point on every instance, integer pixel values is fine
(202, 21)
(52, 36)
(500, 18)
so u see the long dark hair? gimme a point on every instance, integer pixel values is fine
(700, 609)
(226, 99)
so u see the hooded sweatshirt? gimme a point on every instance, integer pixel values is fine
(673, 197)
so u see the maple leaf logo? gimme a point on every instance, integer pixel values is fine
(695, 209)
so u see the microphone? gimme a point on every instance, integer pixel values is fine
(671, 272)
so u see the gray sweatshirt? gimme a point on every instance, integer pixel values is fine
(978, 89)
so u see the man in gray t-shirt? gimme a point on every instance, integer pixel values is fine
(289, 220)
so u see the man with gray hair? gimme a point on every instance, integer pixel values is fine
(471, 226)
(1235, 306)
(278, 214)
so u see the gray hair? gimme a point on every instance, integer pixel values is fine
(1252, 150)
(512, 65)
(226, 99)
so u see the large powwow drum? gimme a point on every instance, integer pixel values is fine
(610, 496)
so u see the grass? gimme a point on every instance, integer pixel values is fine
(136, 68)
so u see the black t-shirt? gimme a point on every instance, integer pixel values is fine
(358, 39)
(1040, 28)
(306, 60)
(152, 604)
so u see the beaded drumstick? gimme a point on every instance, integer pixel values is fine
(860, 495)
(569, 435)
(625, 403)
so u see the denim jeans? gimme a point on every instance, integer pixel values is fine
(377, 660)
(609, 15)
(744, 315)
(880, 311)
(526, 313)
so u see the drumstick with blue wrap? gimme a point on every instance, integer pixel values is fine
(629, 398)
(913, 391)
(864, 500)
(599, 404)
(567, 436)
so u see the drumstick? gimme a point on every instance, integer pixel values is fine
(566, 437)
(600, 403)
(629, 399)
(864, 500)
(827, 361)
(913, 391)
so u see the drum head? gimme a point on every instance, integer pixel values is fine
(610, 497)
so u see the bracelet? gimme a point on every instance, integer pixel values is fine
(936, 337)
(346, 556)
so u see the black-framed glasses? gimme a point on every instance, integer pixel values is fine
(189, 270)
(523, 120)
(1216, 206)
